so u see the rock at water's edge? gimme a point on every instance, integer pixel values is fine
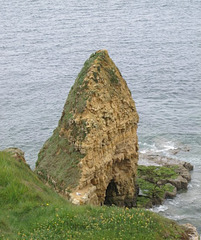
(160, 177)
(192, 231)
(93, 153)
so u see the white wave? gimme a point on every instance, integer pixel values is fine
(178, 217)
(163, 146)
(160, 208)
(190, 185)
(169, 146)
(174, 202)
(143, 151)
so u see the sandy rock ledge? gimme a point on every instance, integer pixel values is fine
(192, 231)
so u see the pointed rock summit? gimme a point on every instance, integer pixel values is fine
(93, 153)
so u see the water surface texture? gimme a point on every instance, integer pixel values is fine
(155, 44)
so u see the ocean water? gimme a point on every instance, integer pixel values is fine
(155, 44)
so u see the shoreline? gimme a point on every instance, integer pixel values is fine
(181, 182)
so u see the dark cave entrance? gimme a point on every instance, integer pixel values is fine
(111, 194)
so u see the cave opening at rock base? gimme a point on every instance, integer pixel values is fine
(111, 194)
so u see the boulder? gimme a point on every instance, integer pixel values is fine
(191, 231)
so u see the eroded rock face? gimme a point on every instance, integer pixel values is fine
(93, 153)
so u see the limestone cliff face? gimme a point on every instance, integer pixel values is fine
(93, 153)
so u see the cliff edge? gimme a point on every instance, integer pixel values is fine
(93, 153)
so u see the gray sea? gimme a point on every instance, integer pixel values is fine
(155, 44)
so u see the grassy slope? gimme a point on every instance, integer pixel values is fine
(30, 210)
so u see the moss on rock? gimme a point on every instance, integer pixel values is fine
(154, 184)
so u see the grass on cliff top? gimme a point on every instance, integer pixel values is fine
(30, 210)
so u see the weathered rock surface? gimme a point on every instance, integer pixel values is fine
(93, 153)
(192, 231)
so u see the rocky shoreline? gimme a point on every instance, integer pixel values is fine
(161, 177)
(174, 183)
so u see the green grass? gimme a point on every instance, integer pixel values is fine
(61, 159)
(31, 210)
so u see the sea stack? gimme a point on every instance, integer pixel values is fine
(92, 155)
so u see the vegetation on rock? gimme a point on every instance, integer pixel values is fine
(155, 184)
